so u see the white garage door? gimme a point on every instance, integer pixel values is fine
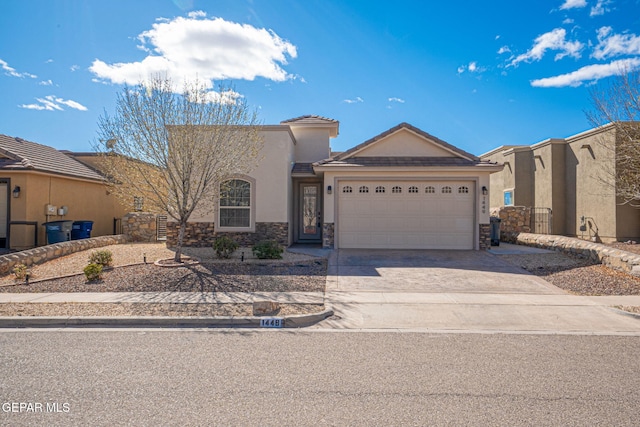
(406, 214)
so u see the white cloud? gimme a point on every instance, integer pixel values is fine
(398, 100)
(573, 4)
(553, 40)
(74, 67)
(472, 67)
(9, 71)
(207, 49)
(53, 103)
(612, 45)
(48, 61)
(356, 100)
(46, 83)
(589, 73)
(504, 49)
(600, 8)
(568, 21)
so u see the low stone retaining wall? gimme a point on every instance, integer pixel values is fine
(513, 220)
(202, 234)
(56, 250)
(611, 257)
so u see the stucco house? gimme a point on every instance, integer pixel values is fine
(573, 178)
(40, 184)
(402, 189)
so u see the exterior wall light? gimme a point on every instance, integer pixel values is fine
(329, 189)
(16, 192)
(484, 191)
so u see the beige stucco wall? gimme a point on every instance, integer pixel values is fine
(549, 180)
(85, 200)
(404, 143)
(272, 188)
(312, 144)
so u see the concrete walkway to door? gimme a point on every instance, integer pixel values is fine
(459, 291)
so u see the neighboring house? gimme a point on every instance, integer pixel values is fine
(573, 178)
(40, 184)
(403, 189)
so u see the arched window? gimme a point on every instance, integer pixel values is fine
(446, 190)
(430, 190)
(463, 190)
(347, 189)
(396, 189)
(413, 189)
(380, 189)
(235, 204)
(363, 189)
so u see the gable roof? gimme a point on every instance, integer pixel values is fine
(26, 155)
(444, 145)
(310, 119)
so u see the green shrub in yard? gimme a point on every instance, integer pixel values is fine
(20, 271)
(93, 272)
(103, 257)
(268, 249)
(225, 246)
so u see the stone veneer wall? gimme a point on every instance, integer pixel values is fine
(484, 236)
(328, 233)
(201, 234)
(611, 257)
(514, 220)
(46, 253)
(140, 227)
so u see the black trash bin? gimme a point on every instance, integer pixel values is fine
(58, 231)
(495, 230)
(81, 230)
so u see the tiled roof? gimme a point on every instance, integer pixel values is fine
(302, 169)
(27, 155)
(401, 161)
(309, 119)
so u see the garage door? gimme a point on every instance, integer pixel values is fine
(406, 215)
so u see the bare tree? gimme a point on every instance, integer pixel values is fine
(616, 104)
(174, 150)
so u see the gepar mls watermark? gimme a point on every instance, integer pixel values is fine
(36, 407)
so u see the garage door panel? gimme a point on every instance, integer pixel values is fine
(408, 215)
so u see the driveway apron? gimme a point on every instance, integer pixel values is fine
(456, 291)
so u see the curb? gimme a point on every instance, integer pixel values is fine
(293, 321)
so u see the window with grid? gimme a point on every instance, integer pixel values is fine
(463, 190)
(413, 189)
(347, 189)
(363, 189)
(446, 190)
(235, 204)
(380, 189)
(430, 190)
(396, 189)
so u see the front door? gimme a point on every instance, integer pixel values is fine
(310, 226)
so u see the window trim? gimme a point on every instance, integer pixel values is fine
(252, 206)
(504, 193)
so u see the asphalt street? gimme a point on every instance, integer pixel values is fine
(298, 378)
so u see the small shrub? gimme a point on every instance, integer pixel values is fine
(225, 246)
(20, 271)
(102, 257)
(93, 272)
(268, 249)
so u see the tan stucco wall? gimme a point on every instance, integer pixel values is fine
(404, 143)
(549, 180)
(85, 200)
(272, 176)
(312, 144)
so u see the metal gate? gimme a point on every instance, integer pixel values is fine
(541, 220)
(161, 227)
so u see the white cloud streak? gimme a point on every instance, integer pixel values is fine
(9, 71)
(356, 100)
(589, 73)
(600, 8)
(207, 49)
(573, 4)
(611, 45)
(553, 40)
(398, 100)
(53, 103)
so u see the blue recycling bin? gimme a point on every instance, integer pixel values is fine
(81, 230)
(58, 231)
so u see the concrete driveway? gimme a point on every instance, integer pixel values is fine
(458, 291)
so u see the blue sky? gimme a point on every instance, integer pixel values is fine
(475, 74)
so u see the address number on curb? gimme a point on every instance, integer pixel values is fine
(271, 322)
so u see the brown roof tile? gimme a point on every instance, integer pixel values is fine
(27, 155)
